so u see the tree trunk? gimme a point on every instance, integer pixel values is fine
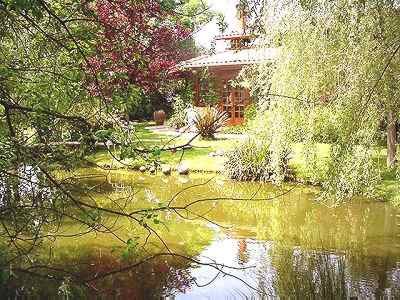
(391, 139)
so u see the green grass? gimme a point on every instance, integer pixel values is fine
(198, 159)
(389, 188)
(147, 137)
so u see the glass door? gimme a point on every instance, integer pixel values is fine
(227, 100)
(239, 104)
(234, 101)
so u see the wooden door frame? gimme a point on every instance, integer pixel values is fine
(224, 74)
(236, 120)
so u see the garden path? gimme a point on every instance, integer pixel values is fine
(163, 129)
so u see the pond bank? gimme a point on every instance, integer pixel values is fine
(280, 241)
(199, 159)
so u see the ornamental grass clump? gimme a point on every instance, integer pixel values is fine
(208, 121)
(252, 161)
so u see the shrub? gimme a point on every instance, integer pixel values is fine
(353, 171)
(250, 112)
(178, 117)
(252, 160)
(235, 129)
(208, 121)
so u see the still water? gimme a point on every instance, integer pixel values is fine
(282, 243)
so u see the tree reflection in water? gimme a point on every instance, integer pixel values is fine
(300, 248)
(308, 274)
(161, 277)
(280, 272)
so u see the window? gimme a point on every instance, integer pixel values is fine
(240, 98)
(227, 101)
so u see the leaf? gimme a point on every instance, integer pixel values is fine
(125, 254)
(156, 152)
(103, 134)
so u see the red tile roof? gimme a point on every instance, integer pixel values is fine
(247, 56)
(232, 36)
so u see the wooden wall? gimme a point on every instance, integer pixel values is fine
(222, 75)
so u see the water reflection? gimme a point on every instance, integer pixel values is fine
(297, 273)
(243, 255)
(299, 248)
(162, 277)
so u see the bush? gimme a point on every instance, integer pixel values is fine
(250, 112)
(178, 117)
(235, 129)
(251, 160)
(140, 110)
(208, 121)
(133, 103)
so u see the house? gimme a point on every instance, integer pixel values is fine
(224, 67)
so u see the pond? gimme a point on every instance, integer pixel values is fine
(279, 243)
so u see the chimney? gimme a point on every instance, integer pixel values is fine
(242, 16)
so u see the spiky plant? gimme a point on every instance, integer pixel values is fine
(209, 121)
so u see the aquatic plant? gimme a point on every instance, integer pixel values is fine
(252, 160)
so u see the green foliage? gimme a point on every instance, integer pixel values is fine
(333, 82)
(353, 172)
(208, 88)
(250, 112)
(178, 117)
(6, 271)
(325, 128)
(208, 121)
(43, 77)
(103, 134)
(193, 13)
(31, 6)
(131, 247)
(311, 163)
(92, 217)
(7, 155)
(252, 160)
(221, 23)
(132, 102)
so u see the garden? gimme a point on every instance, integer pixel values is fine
(236, 156)
(137, 164)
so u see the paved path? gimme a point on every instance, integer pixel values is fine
(163, 129)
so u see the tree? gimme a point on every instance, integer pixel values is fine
(334, 82)
(44, 104)
(139, 43)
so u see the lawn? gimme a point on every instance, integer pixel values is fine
(198, 158)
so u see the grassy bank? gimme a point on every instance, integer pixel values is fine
(198, 158)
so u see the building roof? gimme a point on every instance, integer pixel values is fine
(235, 35)
(246, 56)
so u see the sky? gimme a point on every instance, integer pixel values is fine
(228, 8)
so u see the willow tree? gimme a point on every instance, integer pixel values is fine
(336, 81)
